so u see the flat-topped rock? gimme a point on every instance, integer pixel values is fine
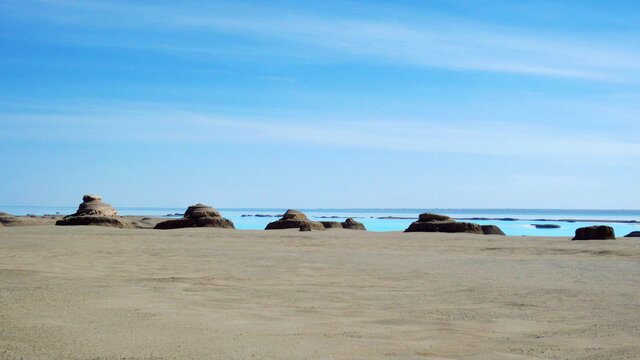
(596, 232)
(429, 222)
(92, 211)
(294, 219)
(198, 215)
(633, 234)
(429, 217)
(90, 197)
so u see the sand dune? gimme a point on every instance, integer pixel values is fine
(199, 293)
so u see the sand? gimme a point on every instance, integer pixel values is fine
(106, 293)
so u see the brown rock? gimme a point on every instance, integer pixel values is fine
(331, 224)
(596, 232)
(491, 230)
(347, 224)
(294, 215)
(200, 210)
(198, 215)
(93, 205)
(99, 220)
(429, 222)
(428, 217)
(93, 211)
(353, 225)
(294, 219)
(445, 226)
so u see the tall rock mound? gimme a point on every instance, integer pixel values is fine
(93, 211)
(198, 215)
(294, 219)
(350, 224)
(429, 222)
(596, 232)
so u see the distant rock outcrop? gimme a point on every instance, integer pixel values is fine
(596, 232)
(633, 234)
(350, 224)
(546, 226)
(93, 211)
(491, 230)
(429, 222)
(198, 215)
(294, 219)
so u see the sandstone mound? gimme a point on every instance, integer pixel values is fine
(198, 215)
(491, 230)
(350, 223)
(93, 211)
(596, 232)
(294, 219)
(633, 234)
(93, 205)
(8, 219)
(429, 222)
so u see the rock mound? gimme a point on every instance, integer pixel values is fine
(93, 211)
(429, 222)
(200, 211)
(633, 234)
(93, 205)
(353, 225)
(294, 219)
(8, 219)
(491, 230)
(596, 232)
(197, 215)
(350, 224)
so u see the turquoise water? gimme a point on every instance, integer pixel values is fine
(371, 217)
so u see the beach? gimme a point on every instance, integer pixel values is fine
(90, 292)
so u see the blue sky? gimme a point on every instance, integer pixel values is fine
(398, 104)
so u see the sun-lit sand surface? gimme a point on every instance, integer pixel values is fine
(105, 293)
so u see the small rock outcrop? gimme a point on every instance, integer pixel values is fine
(350, 224)
(92, 211)
(633, 234)
(596, 232)
(491, 230)
(546, 226)
(198, 215)
(429, 222)
(294, 219)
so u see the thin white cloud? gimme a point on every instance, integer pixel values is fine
(430, 41)
(474, 138)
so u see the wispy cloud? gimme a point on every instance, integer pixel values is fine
(108, 123)
(432, 40)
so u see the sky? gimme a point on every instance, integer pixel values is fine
(332, 104)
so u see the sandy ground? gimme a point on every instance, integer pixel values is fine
(106, 293)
